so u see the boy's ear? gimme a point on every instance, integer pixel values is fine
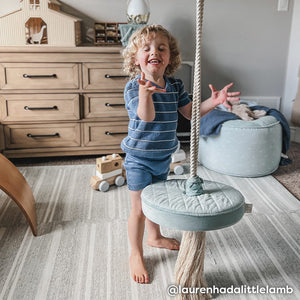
(136, 62)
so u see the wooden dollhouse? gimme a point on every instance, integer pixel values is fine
(39, 22)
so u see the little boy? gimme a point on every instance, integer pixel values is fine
(153, 100)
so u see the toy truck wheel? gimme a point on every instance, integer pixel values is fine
(178, 170)
(103, 186)
(119, 181)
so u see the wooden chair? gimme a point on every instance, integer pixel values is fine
(13, 183)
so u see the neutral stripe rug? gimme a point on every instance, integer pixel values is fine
(82, 249)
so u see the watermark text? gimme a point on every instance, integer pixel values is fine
(174, 290)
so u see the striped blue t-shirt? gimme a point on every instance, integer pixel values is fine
(156, 139)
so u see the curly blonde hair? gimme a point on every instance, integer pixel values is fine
(138, 39)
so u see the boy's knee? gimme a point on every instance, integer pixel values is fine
(137, 213)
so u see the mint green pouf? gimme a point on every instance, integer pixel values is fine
(243, 148)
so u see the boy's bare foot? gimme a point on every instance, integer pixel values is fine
(163, 242)
(137, 269)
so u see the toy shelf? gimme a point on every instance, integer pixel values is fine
(107, 33)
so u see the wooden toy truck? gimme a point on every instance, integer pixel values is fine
(108, 171)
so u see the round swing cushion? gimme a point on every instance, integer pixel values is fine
(243, 148)
(166, 204)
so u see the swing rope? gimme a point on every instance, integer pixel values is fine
(190, 262)
(194, 183)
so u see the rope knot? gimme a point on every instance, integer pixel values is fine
(193, 186)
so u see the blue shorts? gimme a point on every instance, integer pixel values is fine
(141, 172)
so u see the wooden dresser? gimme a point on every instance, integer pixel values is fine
(61, 101)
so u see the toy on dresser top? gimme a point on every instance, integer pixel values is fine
(109, 171)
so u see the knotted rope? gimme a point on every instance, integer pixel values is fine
(189, 266)
(195, 130)
(194, 186)
(190, 262)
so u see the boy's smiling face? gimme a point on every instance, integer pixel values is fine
(153, 57)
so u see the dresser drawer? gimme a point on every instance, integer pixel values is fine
(42, 135)
(39, 107)
(35, 76)
(104, 105)
(104, 133)
(104, 76)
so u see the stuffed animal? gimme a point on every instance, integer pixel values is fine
(244, 111)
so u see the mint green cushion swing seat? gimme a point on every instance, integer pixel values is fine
(167, 204)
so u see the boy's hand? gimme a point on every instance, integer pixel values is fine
(222, 96)
(146, 86)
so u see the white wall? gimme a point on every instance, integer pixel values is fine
(247, 42)
(293, 63)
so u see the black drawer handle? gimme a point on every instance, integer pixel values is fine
(39, 76)
(114, 133)
(40, 108)
(115, 76)
(114, 104)
(42, 135)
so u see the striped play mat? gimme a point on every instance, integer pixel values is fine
(82, 249)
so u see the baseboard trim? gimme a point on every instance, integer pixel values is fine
(295, 134)
(269, 101)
